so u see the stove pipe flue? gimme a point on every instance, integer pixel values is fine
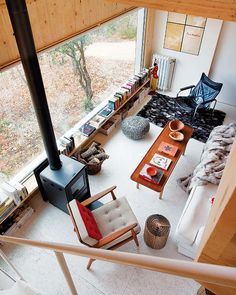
(24, 38)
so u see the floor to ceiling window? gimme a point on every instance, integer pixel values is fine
(78, 75)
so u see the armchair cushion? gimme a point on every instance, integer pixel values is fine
(85, 222)
(113, 216)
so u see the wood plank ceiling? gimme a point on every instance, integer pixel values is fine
(54, 21)
(220, 9)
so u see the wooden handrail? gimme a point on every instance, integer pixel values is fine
(215, 274)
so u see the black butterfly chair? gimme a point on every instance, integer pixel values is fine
(200, 96)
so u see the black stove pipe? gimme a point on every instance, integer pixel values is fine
(18, 13)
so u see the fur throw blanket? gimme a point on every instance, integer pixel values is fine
(213, 159)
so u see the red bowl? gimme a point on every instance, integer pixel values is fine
(152, 171)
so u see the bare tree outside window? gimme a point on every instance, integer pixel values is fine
(76, 51)
(78, 75)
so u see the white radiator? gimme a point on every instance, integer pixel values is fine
(166, 66)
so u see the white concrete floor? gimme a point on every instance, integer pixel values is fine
(48, 223)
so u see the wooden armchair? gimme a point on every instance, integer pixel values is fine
(108, 227)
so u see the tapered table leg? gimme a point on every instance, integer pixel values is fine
(137, 185)
(160, 195)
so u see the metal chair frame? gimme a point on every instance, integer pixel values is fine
(203, 84)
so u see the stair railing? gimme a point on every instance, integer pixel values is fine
(215, 274)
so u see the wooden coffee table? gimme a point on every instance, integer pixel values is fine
(164, 136)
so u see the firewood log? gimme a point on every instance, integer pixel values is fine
(102, 156)
(94, 161)
(91, 151)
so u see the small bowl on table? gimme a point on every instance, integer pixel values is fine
(176, 135)
(176, 125)
(152, 171)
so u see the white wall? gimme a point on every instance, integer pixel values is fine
(188, 67)
(224, 63)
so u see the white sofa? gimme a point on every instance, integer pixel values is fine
(192, 222)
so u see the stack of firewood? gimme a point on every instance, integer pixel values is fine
(93, 157)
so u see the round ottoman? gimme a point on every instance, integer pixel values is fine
(156, 231)
(135, 127)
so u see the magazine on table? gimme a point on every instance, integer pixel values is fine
(168, 148)
(160, 161)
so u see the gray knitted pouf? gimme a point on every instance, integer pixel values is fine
(135, 127)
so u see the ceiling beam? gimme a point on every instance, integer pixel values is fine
(219, 9)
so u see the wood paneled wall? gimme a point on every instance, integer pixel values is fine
(219, 240)
(54, 21)
(148, 38)
(220, 9)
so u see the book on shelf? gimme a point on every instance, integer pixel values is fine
(122, 92)
(21, 189)
(71, 142)
(3, 198)
(154, 179)
(105, 112)
(6, 211)
(160, 161)
(168, 148)
(78, 138)
(87, 129)
(7, 203)
(97, 121)
(11, 191)
(67, 142)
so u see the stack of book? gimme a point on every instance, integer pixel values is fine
(20, 216)
(115, 102)
(127, 89)
(154, 179)
(66, 145)
(15, 191)
(6, 205)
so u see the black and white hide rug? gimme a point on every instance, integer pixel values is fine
(162, 108)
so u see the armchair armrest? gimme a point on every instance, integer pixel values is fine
(185, 88)
(115, 235)
(208, 101)
(99, 196)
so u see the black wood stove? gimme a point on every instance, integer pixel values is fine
(65, 184)
(62, 178)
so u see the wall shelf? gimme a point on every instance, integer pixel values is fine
(89, 138)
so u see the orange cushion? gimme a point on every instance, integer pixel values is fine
(89, 222)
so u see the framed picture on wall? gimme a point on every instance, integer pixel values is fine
(178, 18)
(174, 36)
(196, 21)
(192, 39)
(184, 33)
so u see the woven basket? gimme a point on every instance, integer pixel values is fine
(94, 168)
(156, 231)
